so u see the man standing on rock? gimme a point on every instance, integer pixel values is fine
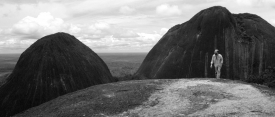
(217, 60)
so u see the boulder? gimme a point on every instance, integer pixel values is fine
(246, 42)
(54, 65)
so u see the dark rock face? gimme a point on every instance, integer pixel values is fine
(246, 41)
(54, 65)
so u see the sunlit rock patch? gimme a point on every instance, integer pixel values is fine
(161, 97)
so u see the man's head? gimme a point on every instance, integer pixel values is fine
(216, 51)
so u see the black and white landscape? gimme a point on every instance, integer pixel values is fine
(137, 58)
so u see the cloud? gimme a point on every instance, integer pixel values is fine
(249, 2)
(126, 10)
(22, 1)
(168, 10)
(272, 22)
(102, 29)
(125, 24)
(114, 41)
(149, 38)
(18, 8)
(163, 31)
(123, 33)
(102, 25)
(96, 30)
(142, 41)
(44, 24)
(74, 29)
(30, 1)
(5, 15)
(15, 44)
(253, 3)
(99, 35)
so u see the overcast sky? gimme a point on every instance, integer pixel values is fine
(108, 25)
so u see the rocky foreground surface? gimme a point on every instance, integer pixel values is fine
(162, 98)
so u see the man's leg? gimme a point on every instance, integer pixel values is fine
(218, 72)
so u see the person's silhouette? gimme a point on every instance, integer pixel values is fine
(217, 60)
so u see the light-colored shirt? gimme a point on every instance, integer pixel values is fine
(217, 60)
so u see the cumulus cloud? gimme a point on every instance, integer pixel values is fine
(143, 40)
(102, 25)
(74, 29)
(109, 33)
(126, 10)
(167, 10)
(99, 35)
(149, 38)
(95, 31)
(43, 24)
(114, 41)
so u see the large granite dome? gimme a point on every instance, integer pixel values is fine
(54, 65)
(246, 41)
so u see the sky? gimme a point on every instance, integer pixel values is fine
(108, 26)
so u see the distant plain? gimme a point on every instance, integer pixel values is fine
(121, 65)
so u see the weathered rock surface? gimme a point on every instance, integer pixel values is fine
(246, 41)
(54, 65)
(162, 98)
